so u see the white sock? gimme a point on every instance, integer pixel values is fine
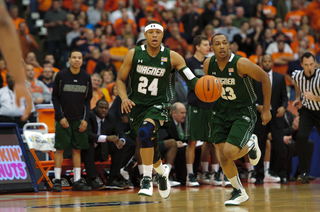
(76, 173)
(140, 167)
(215, 167)
(189, 168)
(204, 166)
(235, 182)
(57, 173)
(124, 174)
(249, 167)
(266, 165)
(160, 169)
(147, 171)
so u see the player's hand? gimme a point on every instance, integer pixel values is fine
(83, 126)
(296, 104)
(21, 91)
(64, 123)
(113, 138)
(280, 111)
(265, 116)
(179, 144)
(127, 105)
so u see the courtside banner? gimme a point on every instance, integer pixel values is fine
(16, 174)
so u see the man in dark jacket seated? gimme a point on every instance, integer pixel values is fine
(105, 138)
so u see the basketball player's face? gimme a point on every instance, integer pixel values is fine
(75, 59)
(154, 37)
(204, 47)
(308, 65)
(220, 46)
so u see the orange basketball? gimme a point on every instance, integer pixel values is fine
(208, 88)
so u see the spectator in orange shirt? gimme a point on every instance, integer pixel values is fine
(107, 77)
(295, 44)
(14, 12)
(149, 16)
(116, 14)
(305, 21)
(258, 52)
(32, 60)
(289, 30)
(295, 14)
(234, 49)
(118, 52)
(113, 5)
(281, 60)
(3, 72)
(121, 22)
(313, 11)
(272, 26)
(269, 11)
(96, 81)
(68, 5)
(176, 42)
(27, 41)
(92, 63)
(104, 21)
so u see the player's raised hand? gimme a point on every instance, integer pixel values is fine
(127, 105)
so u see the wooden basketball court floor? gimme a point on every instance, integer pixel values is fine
(269, 197)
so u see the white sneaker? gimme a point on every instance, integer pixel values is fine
(215, 179)
(238, 196)
(191, 181)
(270, 178)
(255, 153)
(164, 184)
(226, 181)
(146, 187)
(252, 176)
(205, 178)
(174, 183)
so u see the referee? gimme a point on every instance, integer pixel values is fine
(307, 82)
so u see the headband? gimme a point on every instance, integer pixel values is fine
(153, 26)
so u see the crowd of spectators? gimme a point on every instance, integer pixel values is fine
(104, 31)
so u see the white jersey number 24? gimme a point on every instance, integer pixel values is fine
(143, 84)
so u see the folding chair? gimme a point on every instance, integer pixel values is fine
(38, 139)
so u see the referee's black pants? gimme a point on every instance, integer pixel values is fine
(308, 119)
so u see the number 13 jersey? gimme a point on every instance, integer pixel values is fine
(151, 81)
(236, 91)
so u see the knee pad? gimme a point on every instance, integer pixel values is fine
(145, 134)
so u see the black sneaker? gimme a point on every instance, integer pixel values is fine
(80, 186)
(303, 178)
(116, 184)
(56, 186)
(96, 184)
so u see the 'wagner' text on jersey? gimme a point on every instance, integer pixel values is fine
(149, 70)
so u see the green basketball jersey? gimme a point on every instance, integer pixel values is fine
(236, 91)
(151, 81)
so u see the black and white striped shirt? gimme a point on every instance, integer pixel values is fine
(311, 84)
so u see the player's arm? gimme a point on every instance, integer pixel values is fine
(9, 45)
(123, 74)
(206, 66)
(246, 67)
(179, 63)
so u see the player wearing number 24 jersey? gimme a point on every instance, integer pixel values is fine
(148, 69)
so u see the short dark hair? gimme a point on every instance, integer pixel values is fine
(102, 100)
(74, 51)
(197, 41)
(218, 35)
(307, 55)
(46, 63)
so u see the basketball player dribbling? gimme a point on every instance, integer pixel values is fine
(234, 113)
(148, 69)
(9, 45)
